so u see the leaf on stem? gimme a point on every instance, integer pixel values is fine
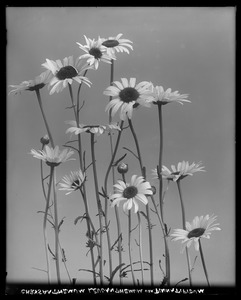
(116, 241)
(131, 152)
(61, 223)
(86, 270)
(81, 218)
(51, 252)
(119, 160)
(185, 279)
(63, 255)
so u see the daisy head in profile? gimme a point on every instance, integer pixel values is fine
(53, 156)
(160, 96)
(128, 95)
(131, 193)
(32, 85)
(95, 52)
(94, 129)
(200, 227)
(182, 170)
(117, 44)
(65, 72)
(73, 182)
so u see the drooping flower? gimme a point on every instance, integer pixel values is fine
(32, 85)
(131, 192)
(72, 182)
(117, 44)
(163, 97)
(201, 227)
(96, 129)
(64, 73)
(53, 157)
(128, 95)
(182, 170)
(95, 52)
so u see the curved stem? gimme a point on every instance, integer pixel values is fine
(84, 195)
(100, 212)
(140, 246)
(129, 246)
(113, 157)
(88, 222)
(147, 206)
(45, 225)
(184, 227)
(203, 261)
(56, 228)
(44, 118)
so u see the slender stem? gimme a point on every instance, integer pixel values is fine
(147, 206)
(129, 246)
(88, 221)
(113, 157)
(45, 225)
(119, 240)
(167, 255)
(184, 227)
(203, 261)
(140, 247)
(44, 118)
(56, 227)
(160, 158)
(84, 196)
(100, 212)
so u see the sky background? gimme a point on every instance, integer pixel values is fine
(191, 50)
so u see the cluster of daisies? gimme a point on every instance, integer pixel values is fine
(126, 95)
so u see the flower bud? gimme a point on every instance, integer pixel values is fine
(122, 168)
(44, 140)
(153, 188)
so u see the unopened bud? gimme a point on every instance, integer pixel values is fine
(44, 140)
(153, 188)
(122, 168)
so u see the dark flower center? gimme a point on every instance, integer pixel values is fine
(36, 87)
(95, 52)
(66, 72)
(129, 94)
(75, 184)
(110, 43)
(197, 232)
(130, 192)
(52, 164)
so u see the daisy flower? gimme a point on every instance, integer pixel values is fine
(182, 170)
(201, 227)
(117, 44)
(53, 157)
(64, 73)
(72, 182)
(128, 95)
(95, 52)
(164, 97)
(137, 189)
(32, 85)
(96, 129)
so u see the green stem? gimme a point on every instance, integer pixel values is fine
(140, 247)
(100, 212)
(129, 246)
(184, 227)
(167, 255)
(44, 118)
(147, 206)
(56, 227)
(45, 225)
(203, 261)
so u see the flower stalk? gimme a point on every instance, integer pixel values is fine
(147, 205)
(184, 227)
(100, 212)
(167, 255)
(203, 261)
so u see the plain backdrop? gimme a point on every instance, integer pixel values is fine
(191, 50)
